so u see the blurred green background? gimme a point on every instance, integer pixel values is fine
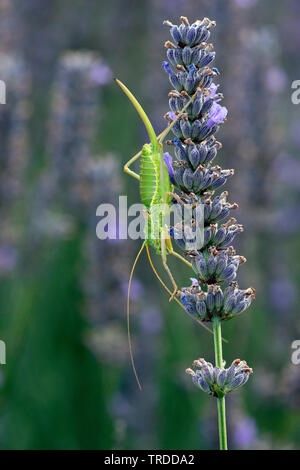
(65, 133)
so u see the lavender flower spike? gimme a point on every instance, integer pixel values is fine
(218, 382)
(214, 295)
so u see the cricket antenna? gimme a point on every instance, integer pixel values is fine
(141, 112)
(128, 317)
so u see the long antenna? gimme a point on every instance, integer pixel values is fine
(143, 115)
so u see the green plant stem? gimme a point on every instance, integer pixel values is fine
(220, 400)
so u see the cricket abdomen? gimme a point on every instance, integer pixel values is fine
(149, 176)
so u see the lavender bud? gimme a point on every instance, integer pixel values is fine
(221, 378)
(196, 54)
(211, 155)
(200, 265)
(196, 129)
(207, 374)
(201, 309)
(178, 56)
(219, 298)
(187, 179)
(176, 129)
(194, 156)
(183, 31)
(173, 104)
(228, 271)
(207, 59)
(176, 35)
(200, 381)
(178, 173)
(187, 55)
(230, 373)
(220, 235)
(191, 36)
(171, 57)
(207, 106)
(236, 381)
(185, 129)
(197, 106)
(211, 264)
(210, 301)
(229, 304)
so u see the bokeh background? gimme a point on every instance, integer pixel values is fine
(65, 133)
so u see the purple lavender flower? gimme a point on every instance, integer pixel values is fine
(213, 91)
(217, 115)
(168, 162)
(191, 76)
(214, 261)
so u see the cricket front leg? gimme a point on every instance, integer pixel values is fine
(132, 160)
(178, 199)
(129, 163)
(164, 134)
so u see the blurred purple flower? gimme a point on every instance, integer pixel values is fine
(136, 290)
(151, 320)
(101, 74)
(295, 131)
(283, 294)
(290, 213)
(287, 169)
(245, 3)
(276, 79)
(245, 432)
(120, 405)
(8, 258)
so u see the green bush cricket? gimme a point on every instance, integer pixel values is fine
(156, 194)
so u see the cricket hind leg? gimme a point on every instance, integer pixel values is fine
(175, 298)
(177, 255)
(164, 235)
(128, 316)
